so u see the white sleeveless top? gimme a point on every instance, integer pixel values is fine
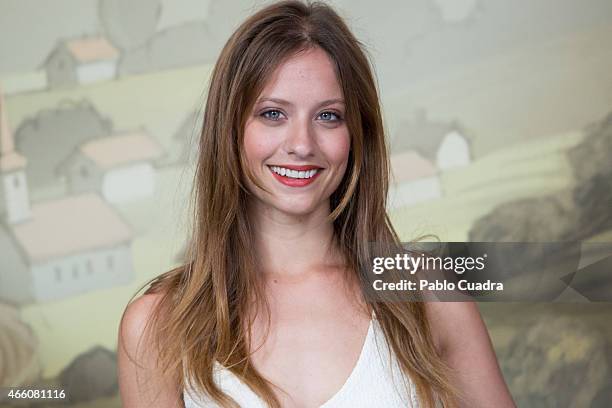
(374, 382)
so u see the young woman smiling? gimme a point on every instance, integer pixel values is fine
(290, 189)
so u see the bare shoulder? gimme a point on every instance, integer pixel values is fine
(136, 316)
(447, 319)
(135, 336)
(463, 341)
(141, 382)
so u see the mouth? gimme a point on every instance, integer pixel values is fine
(295, 176)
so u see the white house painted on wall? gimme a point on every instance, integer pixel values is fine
(13, 189)
(454, 151)
(421, 151)
(414, 179)
(56, 248)
(444, 143)
(81, 61)
(119, 167)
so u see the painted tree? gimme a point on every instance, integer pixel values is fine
(49, 137)
(19, 364)
(129, 23)
(225, 16)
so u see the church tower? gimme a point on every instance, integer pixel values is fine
(14, 200)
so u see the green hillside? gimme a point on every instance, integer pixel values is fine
(159, 100)
(527, 169)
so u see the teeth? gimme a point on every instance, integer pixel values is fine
(306, 174)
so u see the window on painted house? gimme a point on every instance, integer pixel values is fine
(84, 172)
(89, 267)
(75, 272)
(16, 182)
(110, 262)
(58, 274)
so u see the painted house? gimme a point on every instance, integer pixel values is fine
(81, 61)
(443, 143)
(57, 248)
(454, 151)
(414, 179)
(119, 167)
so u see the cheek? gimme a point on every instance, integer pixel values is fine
(337, 149)
(257, 146)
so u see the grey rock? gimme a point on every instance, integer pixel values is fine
(558, 361)
(592, 155)
(594, 200)
(91, 375)
(538, 219)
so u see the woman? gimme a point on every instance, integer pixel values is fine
(290, 189)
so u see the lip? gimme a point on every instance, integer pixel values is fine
(291, 182)
(296, 167)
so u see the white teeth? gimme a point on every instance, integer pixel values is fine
(306, 174)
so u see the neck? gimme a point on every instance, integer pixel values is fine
(290, 245)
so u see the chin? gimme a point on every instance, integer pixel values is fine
(295, 206)
(297, 210)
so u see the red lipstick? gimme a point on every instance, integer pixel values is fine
(296, 182)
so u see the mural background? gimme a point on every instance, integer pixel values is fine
(499, 118)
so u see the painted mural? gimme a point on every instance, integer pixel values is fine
(499, 122)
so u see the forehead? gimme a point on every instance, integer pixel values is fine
(309, 73)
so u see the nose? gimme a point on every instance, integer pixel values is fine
(300, 141)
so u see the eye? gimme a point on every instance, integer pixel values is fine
(328, 116)
(271, 114)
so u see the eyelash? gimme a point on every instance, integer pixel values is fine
(339, 118)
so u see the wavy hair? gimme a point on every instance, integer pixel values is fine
(200, 317)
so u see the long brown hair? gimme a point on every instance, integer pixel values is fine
(199, 319)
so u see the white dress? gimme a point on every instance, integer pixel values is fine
(374, 382)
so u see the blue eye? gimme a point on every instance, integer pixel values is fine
(274, 117)
(338, 118)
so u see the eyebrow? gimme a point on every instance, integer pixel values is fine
(287, 103)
